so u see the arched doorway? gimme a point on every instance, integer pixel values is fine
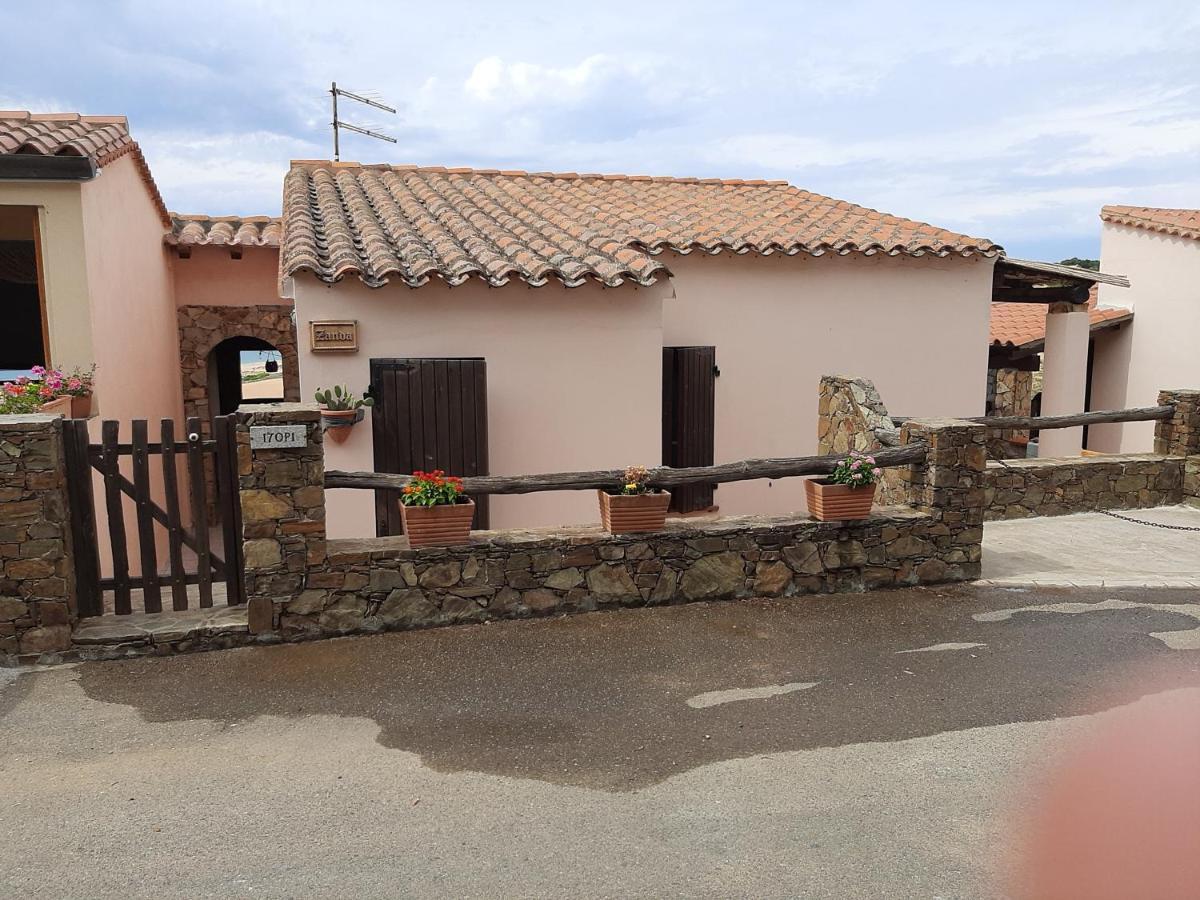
(244, 370)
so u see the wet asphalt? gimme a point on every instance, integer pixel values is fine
(283, 746)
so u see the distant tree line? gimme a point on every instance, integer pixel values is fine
(1093, 264)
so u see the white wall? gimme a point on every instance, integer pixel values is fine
(917, 327)
(1164, 292)
(574, 379)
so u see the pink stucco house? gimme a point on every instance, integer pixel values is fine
(618, 319)
(505, 322)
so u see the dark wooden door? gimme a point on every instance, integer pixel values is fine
(428, 414)
(689, 405)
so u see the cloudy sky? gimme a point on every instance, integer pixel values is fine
(1015, 121)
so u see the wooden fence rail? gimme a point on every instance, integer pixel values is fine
(663, 477)
(1099, 417)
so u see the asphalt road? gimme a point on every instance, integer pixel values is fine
(890, 745)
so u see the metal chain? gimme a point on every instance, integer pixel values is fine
(1152, 524)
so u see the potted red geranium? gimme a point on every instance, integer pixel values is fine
(847, 493)
(435, 511)
(636, 506)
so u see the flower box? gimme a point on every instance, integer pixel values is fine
(631, 513)
(442, 525)
(838, 502)
(59, 406)
(81, 406)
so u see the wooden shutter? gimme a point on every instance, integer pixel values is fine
(428, 414)
(689, 401)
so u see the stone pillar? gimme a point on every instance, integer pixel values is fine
(37, 595)
(1180, 435)
(949, 487)
(851, 416)
(1064, 376)
(283, 511)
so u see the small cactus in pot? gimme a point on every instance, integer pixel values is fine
(341, 408)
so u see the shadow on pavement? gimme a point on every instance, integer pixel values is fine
(599, 700)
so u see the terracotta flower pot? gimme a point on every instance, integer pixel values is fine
(838, 502)
(81, 407)
(438, 526)
(59, 406)
(630, 513)
(338, 423)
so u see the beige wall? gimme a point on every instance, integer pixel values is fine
(1164, 292)
(212, 277)
(1110, 371)
(918, 328)
(64, 268)
(574, 379)
(132, 298)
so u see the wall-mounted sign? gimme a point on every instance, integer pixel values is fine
(277, 437)
(333, 335)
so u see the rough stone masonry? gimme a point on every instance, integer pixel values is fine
(301, 585)
(36, 589)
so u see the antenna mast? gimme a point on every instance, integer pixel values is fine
(338, 124)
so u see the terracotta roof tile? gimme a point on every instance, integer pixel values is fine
(1023, 325)
(102, 139)
(1179, 222)
(236, 231)
(414, 224)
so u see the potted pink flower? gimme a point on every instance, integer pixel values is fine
(636, 506)
(79, 385)
(847, 493)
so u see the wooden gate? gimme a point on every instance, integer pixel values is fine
(689, 404)
(190, 560)
(428, 414)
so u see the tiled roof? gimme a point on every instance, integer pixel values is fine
(414, 224)
(236, 231)
(102, 139)
(1179, 222)
(1023, 325)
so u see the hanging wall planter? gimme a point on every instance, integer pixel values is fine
(340, 411)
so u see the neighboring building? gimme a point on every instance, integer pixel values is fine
(76, 196)
(1159, 249)
(1018, 338)
(618, 320)
(100, 272)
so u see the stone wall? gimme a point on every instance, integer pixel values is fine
(201, 328)
(1180, 436)
(37, 587)
(300, 585)
(1013, 397)
(1022, 488)
(850, 416)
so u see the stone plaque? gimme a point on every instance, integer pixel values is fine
(277, 437)
(333, 335)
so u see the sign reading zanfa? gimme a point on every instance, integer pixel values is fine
(333, 335)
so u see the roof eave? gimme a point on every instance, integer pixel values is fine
(36, 167)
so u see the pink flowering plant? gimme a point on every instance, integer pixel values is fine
(27, 393)
(856, 470)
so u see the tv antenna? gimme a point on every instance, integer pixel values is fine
(338, 124)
